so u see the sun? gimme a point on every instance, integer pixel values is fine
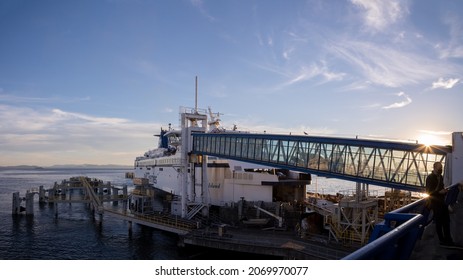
(430, 139)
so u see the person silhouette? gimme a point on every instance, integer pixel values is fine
(436, 191)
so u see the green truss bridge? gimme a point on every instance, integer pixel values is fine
(398, 165)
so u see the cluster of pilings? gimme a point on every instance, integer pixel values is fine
(75, 190)
(28, 198)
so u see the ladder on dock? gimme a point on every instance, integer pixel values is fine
(96, 203)
(194, 210)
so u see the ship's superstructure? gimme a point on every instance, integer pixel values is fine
(193, 183)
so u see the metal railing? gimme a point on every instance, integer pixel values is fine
(159, 219)
(395, 238)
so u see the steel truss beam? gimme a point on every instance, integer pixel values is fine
(383, 163)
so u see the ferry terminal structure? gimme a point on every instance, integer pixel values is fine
(240, 191)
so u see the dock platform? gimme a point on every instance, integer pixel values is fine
(74, 190)
(281, 244)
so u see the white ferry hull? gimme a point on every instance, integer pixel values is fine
(224, 185)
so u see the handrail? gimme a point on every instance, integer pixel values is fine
(410, 207)
(161, 220)
(381, 247)
(395, 238)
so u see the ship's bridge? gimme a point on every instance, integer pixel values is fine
(400, 165)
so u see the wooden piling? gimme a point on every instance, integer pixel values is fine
(16, 205)
(29, 203)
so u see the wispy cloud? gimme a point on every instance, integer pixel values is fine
(357, 86)
(249, 124)
(315, 70)
(90, 119)
(270, 41)
(407, 100)
(199, 4)
(387, 66)
(454, 47)
(31, 99)
(378, 15)
(445, 133)
(446, 84)
(287, 53)
(371, 106)
(35, 134)
(363, 60)
(452, 52)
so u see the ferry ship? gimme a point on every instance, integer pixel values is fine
(221, 182)
(239, 194)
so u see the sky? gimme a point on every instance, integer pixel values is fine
(93, 81)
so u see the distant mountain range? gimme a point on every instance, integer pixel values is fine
(68, 166)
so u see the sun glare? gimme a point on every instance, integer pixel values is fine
(430, 139)
(423, 195)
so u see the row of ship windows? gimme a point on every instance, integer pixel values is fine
(160, 162)
(160, 169)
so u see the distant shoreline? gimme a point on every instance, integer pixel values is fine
(66, 166)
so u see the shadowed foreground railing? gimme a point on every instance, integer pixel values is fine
(395, 237)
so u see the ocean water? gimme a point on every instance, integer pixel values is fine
(325, 185)
(74, 235)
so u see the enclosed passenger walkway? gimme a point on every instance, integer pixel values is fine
(383, 163)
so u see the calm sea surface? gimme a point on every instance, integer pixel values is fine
(74, 234)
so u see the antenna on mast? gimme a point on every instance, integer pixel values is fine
(196, 95)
